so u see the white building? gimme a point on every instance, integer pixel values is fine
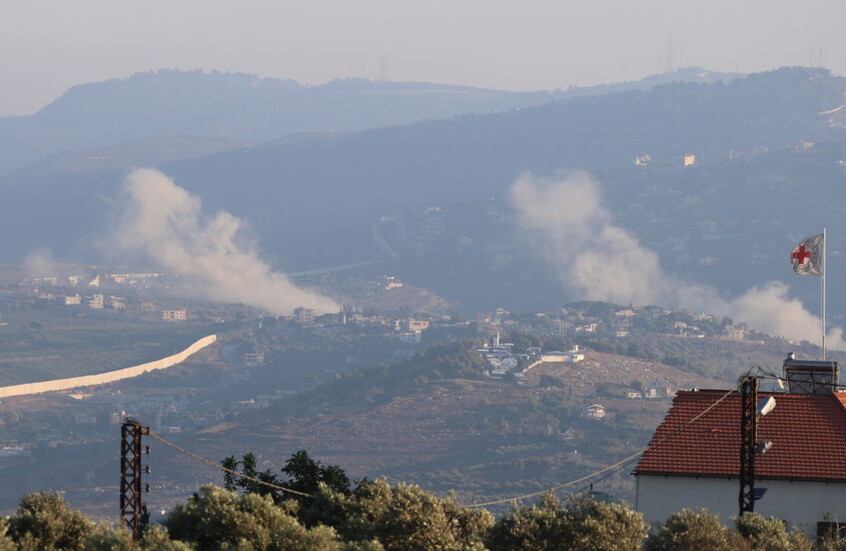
(801, 479)
(574, 355)
(175, 315)
(496, 349)
(593, 411)
(659, 389)
(554, 356)
(303, 316)
(409, 337)
(502, 367)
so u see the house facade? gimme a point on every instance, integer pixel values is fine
(694, 462)
(804, 504)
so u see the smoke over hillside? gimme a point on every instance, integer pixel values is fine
(166, 223)
(563, 217)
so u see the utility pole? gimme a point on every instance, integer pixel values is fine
(748, 442)
(131, 504)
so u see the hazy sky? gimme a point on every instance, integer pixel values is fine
(46, 46)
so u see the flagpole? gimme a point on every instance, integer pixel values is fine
(824, 270)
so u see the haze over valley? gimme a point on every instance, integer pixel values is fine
(484, 291)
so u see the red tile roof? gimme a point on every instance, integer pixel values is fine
(808, 435)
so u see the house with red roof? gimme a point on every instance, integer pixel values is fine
(800, 478)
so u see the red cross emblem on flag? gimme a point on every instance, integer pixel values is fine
(806, 257)
(801, 254)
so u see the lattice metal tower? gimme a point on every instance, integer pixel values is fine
(131, 504)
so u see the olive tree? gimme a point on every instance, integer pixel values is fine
(44, 522)
(585, 524)
(770, 534)
(6, 543)
(688, 530)
(216, 519)
(401, 517)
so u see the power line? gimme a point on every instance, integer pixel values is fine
(607, 471)
(226, 469)
(619, 465)
(558, 487)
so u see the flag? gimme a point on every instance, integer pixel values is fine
(807, 256)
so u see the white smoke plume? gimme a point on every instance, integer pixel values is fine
(165, 222)
(563, 217)
(40, 263)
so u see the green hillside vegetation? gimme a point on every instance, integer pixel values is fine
(457, 360)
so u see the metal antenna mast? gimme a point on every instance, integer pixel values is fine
(383, 68)
(668, 68)
(131, 504)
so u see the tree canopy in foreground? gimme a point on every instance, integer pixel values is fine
(373, 515)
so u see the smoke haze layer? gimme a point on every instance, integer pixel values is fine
(166, 223)
(563, 218)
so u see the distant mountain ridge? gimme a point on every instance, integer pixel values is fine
(475, 156)
(313, 199)
(245, 108)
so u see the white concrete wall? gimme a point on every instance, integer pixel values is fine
(532, 365)
(800, 504)
(105, 378)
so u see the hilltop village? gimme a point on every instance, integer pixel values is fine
(519, 348)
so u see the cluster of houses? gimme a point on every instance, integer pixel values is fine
(502, 360)
(654, 389)
(63, 290)
(688, 159)
(613, 321)
(405, 330)
(129, 280)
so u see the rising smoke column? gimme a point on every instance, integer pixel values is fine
(563, 217)
(165, 222)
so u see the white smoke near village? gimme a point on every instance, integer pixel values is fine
(165, 222)
(40, 263)
(563, 217)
